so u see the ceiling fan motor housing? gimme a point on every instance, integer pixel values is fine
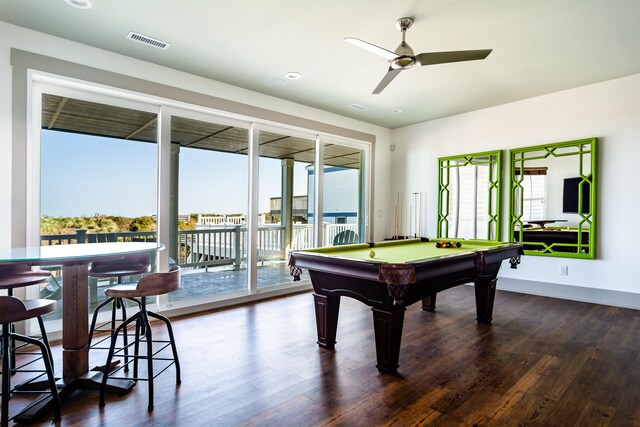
(406, 57)
(403, 62)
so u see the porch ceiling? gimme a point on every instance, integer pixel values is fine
(90, 118)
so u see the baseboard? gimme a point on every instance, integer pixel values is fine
(574, 293)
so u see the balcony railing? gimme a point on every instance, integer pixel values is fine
(214, 246)
(81, 236)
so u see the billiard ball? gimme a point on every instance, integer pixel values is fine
(372, 254)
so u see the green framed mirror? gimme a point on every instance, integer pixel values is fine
(552, 208)
(469, 201)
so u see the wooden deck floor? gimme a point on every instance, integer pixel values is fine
(543, 362)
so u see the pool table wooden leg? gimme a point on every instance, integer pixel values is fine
(429, 303)
(485, 294)
(387, 327)
(327, 308)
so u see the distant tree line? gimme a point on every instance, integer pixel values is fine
(95, 224)
(111, 223)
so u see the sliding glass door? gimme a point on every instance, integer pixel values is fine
(343, 195)
(210, 207)
(285, 163)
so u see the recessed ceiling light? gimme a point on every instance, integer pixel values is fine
(396, 110)
(276, 83)
(293, 75)
(80, 4)
(358, 107)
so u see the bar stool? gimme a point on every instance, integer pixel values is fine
(17, 276)
(153, 284)
(14, 310)
(132, 265)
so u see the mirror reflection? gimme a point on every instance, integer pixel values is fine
(553, 198)
(469, 203)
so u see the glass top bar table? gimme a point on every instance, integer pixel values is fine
(75, 260)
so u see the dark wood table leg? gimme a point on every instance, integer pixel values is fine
(75, 320)
(327, 308)
(485, 294)
(387, 327)
(429, 303)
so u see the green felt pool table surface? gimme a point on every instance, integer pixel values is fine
(403, 251)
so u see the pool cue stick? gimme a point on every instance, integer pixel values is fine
(395, 220)
(415, 214)
(418, 213)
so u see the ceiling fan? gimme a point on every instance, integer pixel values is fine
(403, 58)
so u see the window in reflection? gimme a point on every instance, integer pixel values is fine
(469, 203)
(534, 183)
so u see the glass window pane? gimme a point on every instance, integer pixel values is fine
(286, 163)
(342, 195)
(98, 180)
(210, 164)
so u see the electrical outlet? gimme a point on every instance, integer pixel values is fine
(564, 270)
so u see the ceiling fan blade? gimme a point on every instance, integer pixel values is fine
(391, 74)
(386, 54)
(433, 58)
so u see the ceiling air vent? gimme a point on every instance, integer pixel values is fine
(148, 40)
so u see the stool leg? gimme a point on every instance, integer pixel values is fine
(52, 384)
(114, 311)
(6, 375)
(172, 341)
(136, 347)
(45, 340)
(137, 301)
(94, 318)
(114, 338)
(125, 340)
(11, 350)
(48, 366)
(149, 339)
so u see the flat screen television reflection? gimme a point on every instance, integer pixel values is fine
(570, 195)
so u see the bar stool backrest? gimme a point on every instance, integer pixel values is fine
(130, 265)
(159, 283)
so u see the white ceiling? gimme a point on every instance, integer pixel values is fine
(539, 46)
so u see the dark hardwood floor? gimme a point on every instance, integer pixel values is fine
(543, 362)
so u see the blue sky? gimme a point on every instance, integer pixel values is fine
(83, 175)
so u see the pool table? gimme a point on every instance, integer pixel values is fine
(395, 275)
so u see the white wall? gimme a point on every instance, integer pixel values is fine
(609, 111)
(17, 37)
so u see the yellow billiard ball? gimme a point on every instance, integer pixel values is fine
(372, 254)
